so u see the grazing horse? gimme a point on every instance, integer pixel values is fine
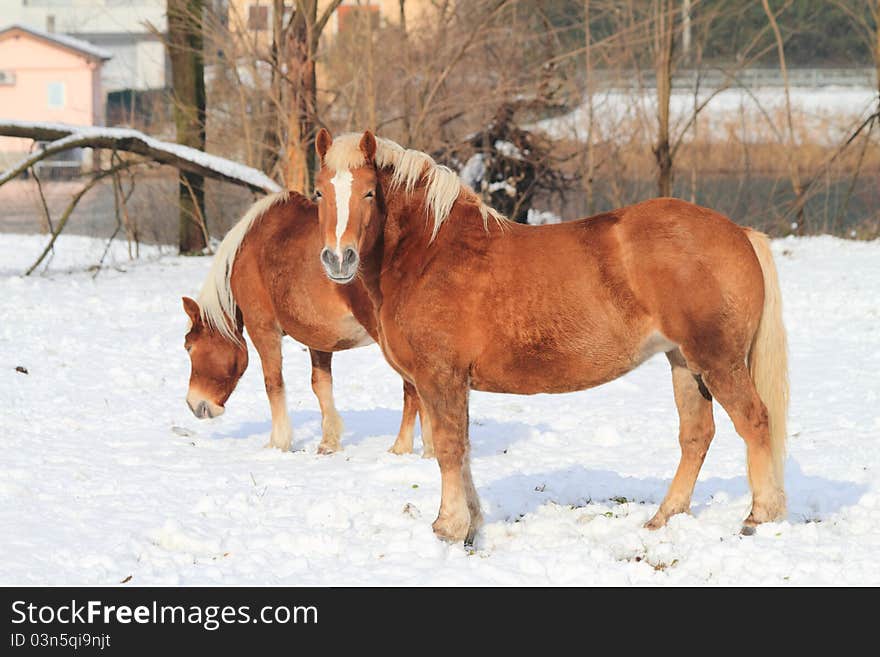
(265, 279)
(466, 300)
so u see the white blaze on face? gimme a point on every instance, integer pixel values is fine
(342, 185)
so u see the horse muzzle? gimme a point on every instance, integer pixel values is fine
(203, 409)
(340, 269)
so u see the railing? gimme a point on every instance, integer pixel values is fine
(747, 77)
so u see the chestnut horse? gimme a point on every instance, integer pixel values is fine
(265, 279)
(468, 300)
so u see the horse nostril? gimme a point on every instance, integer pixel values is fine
(202, 410)
(350, 257)
(329, 258)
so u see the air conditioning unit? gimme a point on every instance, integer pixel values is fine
(7, 78)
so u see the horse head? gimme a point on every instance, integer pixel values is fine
(217, 364)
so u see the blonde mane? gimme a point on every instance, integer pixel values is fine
(409, 167)
(216, 301)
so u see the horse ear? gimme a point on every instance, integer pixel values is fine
(368, 146)
(322, 142)
(191, 307)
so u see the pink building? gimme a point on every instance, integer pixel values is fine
(48, 77)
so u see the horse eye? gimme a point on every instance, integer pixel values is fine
(189, 348)
(369, 194)
(318, 195)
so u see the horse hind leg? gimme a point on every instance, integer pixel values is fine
(733, 388)
(404, 442)
(696, 430)
(473, 502)
(322, 386)
(427, 436)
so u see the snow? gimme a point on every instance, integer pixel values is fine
(829, 112)
(473, 171)
(221, 165)
(106, 474)
(508, 149)
(502, 186)
(64, 40)
(542, 217)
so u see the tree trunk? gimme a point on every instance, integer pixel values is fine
(123, 140)
(407, 65)
(793, 172)
(877, 49)
(370, 100)
(663, 28)
(686, 30)
(591, 158)
(303, 100)
(272, 136)
(188, 91)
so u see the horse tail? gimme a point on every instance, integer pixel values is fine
(768, 356)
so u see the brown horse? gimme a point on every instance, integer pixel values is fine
(468, 300)
(265, 278)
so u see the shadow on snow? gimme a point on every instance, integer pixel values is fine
(811, 498)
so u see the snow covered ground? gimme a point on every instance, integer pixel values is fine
(106, 475)
(827, 113)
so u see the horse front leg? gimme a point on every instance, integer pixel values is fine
(322, 386)
(446, 407)
(268, 345)
(404, 442)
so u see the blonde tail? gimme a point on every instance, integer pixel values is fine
(768, 357)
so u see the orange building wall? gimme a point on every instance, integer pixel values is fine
(36, 64)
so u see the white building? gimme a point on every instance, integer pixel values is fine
(122, 27)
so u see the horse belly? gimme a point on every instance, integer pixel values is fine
(352, 335)
(547, 375)
(532, 369)
(326, 334)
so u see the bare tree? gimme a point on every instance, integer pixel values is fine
(590, 151)
(303, 39)
(664, 17)
(434, 75)
(185, 50)
(794, 174)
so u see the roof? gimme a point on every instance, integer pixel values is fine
(62, 40)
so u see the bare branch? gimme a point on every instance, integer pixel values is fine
(130, 141)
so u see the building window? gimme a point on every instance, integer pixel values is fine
(354, 18)
(258, 17)
(56, 95)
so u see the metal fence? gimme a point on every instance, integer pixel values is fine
(713, 78)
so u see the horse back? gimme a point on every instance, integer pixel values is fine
(573, 305)
(278, 282)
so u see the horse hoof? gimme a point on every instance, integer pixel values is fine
(655, 523)
(472, 533)
(663, 515)
(747, 530)
(328, 449)
(400, 449)
(451, 532)
(283, 448)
